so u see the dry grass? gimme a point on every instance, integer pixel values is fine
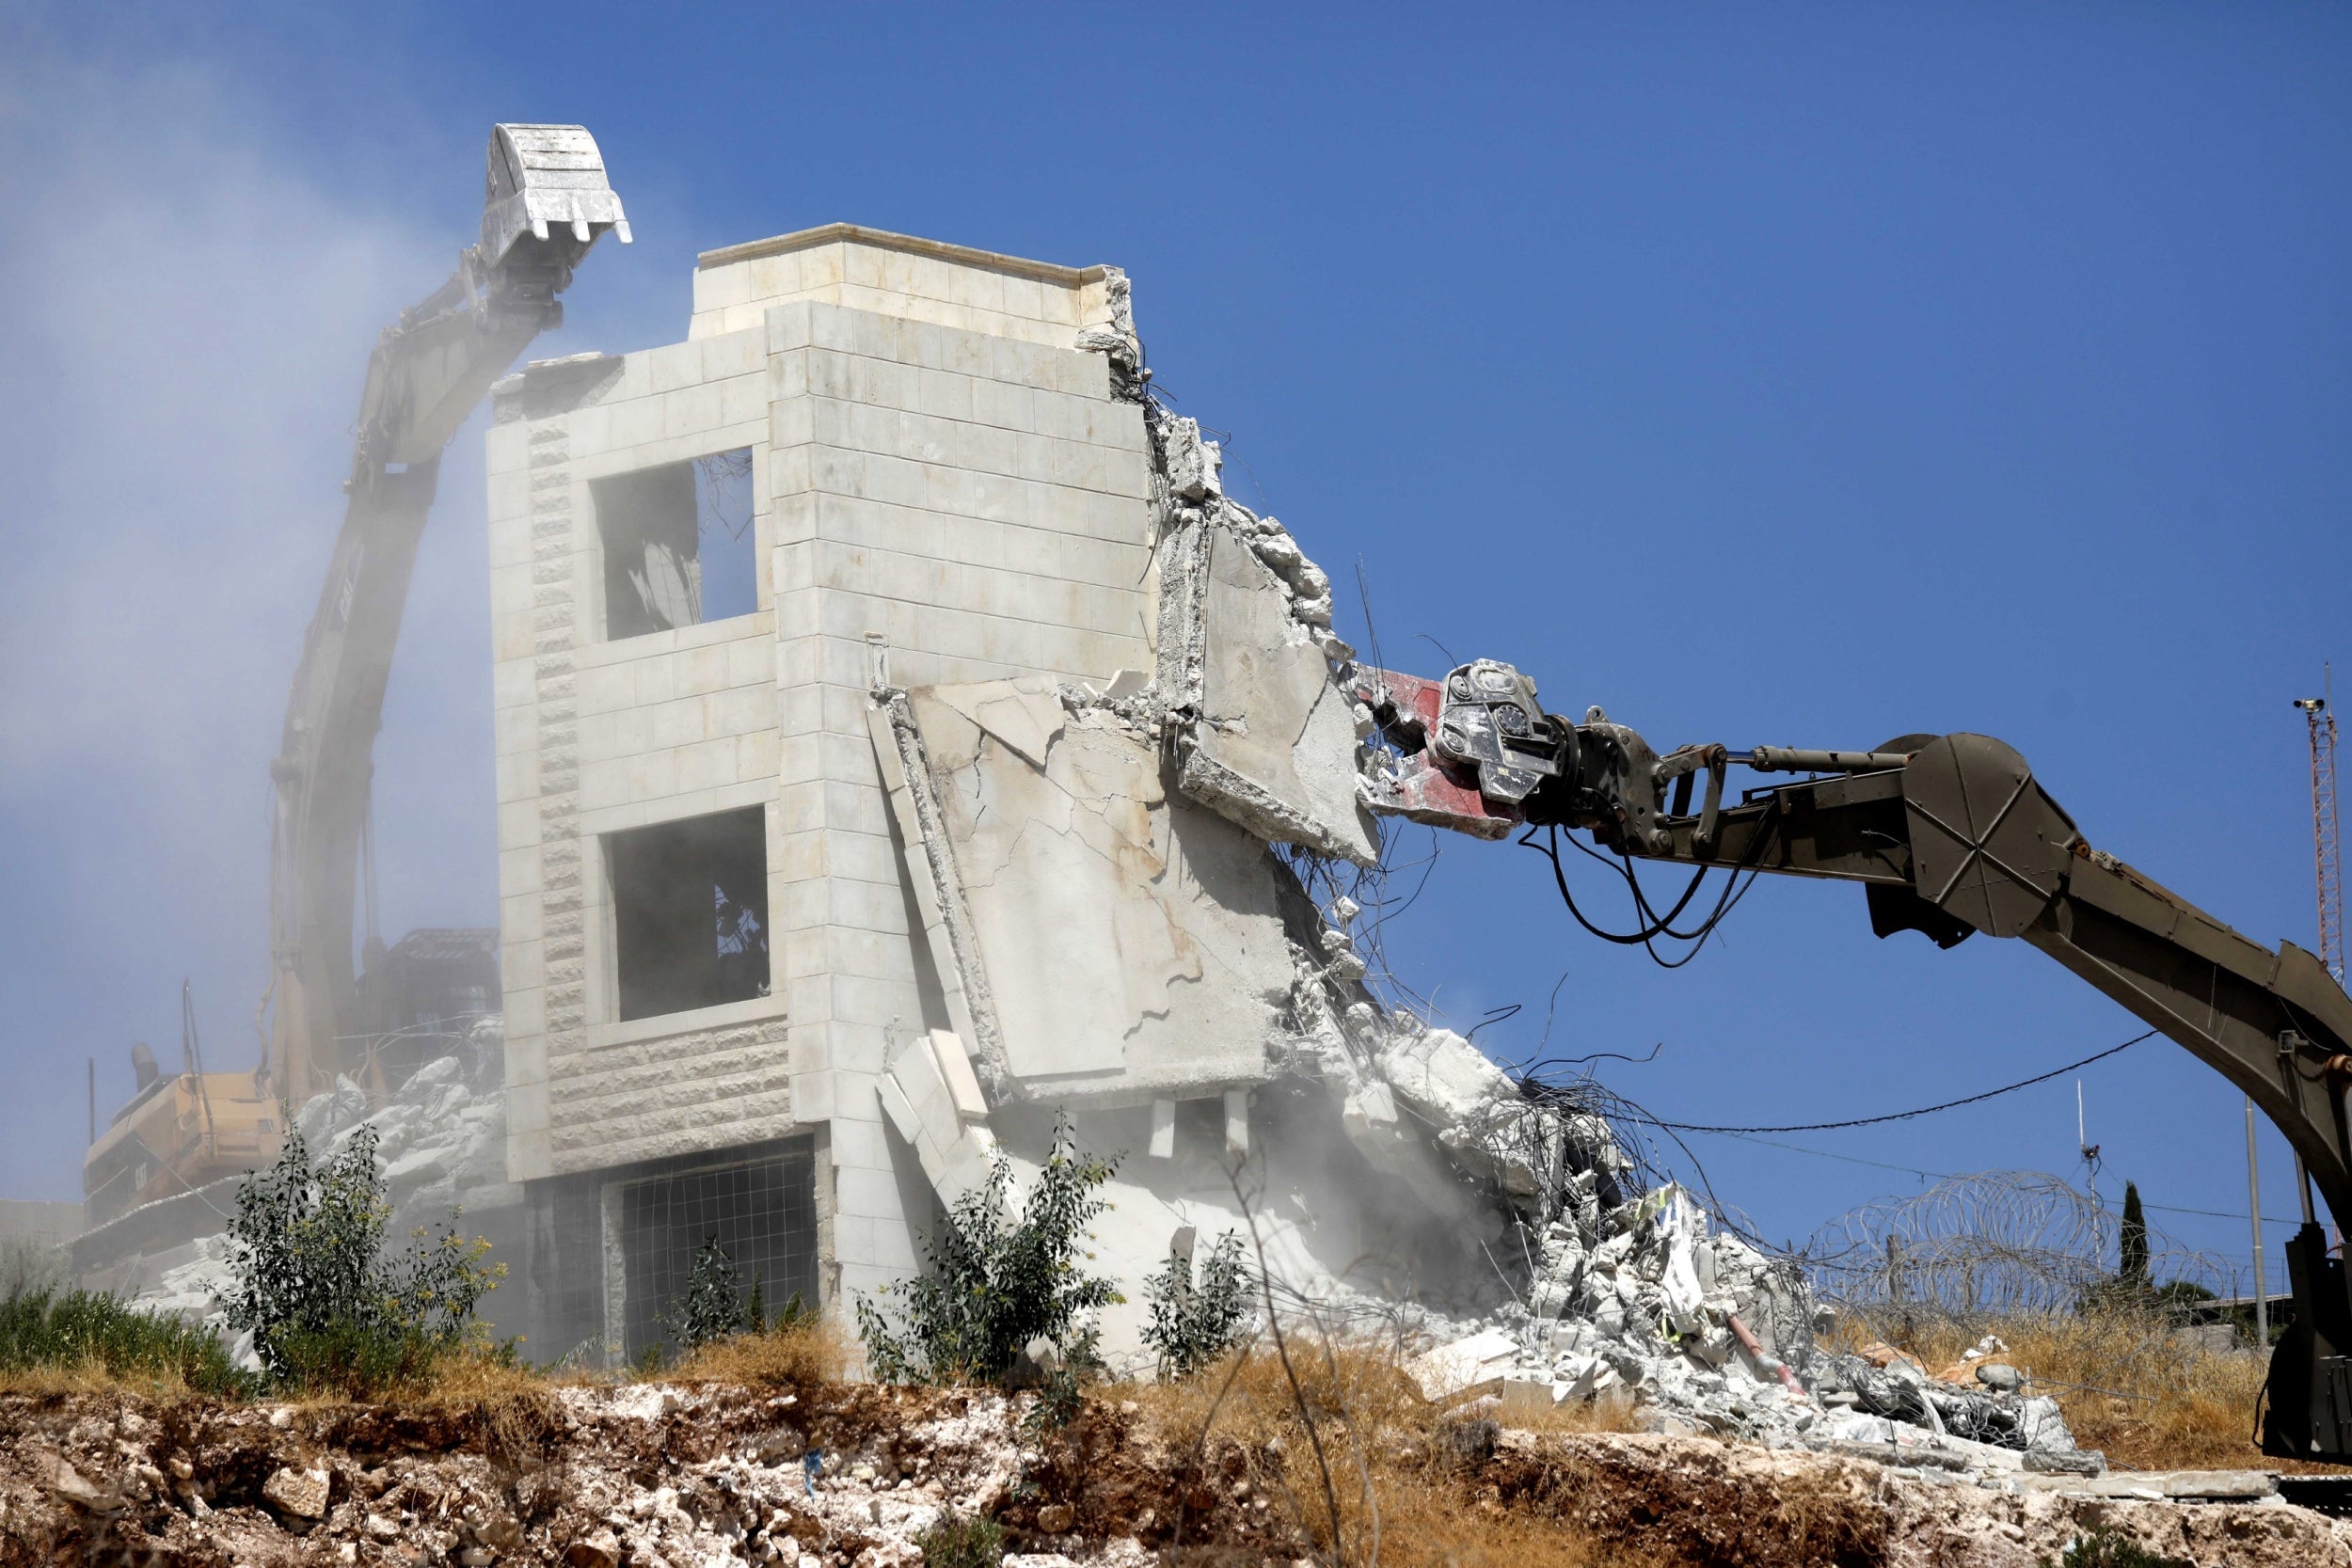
(467, 1395)
(1392, 1456)
(1612, 1412)
(474, 1377)
(91, 1375)
(811, 1351)
(2129, 1384)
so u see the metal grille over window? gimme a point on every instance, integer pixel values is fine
(762, 1210)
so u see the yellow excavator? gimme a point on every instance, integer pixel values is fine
(177, 1133)
(546, 202)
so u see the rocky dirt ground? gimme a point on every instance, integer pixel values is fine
(652, 1476)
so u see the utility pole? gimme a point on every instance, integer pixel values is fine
(2328, 865)
(2319, 722)
(2254, 1206)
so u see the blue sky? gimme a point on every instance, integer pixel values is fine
(1804, 376)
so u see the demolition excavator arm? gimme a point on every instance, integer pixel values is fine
(547, 201)
(1947, 835)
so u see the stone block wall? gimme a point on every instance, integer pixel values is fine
(935, 466)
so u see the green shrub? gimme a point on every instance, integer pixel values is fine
(1194, 1322)
(714, 1305)
(310, 1281)
(956, 1541)
(43, 1330)
(2103, 1548)
(791, 1315)
(356, 1360)
(995, 1283)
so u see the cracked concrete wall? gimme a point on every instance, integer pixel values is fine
(1156, 970)
(1132, 941)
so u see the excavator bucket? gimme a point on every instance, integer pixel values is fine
(545, 180)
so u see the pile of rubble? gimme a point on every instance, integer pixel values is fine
(1648, 1300)
(440, 1134)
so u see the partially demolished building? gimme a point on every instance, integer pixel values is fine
(904, 744)
(897, 727)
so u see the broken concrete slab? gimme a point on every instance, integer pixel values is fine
(915, 806)
(1442, 1076)
(1045, 819)
(1274, 746)
(955, 1067)
(1465, 1367)
(1251, 682)
(1191, 464)
(945, 1124)
(2170, 1485)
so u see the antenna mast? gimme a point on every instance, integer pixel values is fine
(2325, 831)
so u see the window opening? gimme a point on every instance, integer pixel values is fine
(689, 905)
(678, 543)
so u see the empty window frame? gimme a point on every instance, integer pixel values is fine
(761, 1207)
(689, 913)
(677, 543)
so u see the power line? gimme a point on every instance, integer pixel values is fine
(1954, 1176)
(1906, 1116)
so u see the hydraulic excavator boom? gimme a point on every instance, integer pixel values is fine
(1947, 835)
(545, 203)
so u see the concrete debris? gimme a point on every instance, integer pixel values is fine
(1465, 1366)
(1711, 1336)
(442, 1133)
(928, 1092)
(1251, 682)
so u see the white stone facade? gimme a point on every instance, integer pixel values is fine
(936, 467)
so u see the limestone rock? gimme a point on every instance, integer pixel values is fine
(78, 1489)
(300, 1492)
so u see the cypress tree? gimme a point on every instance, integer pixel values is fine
(2133, 1241)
